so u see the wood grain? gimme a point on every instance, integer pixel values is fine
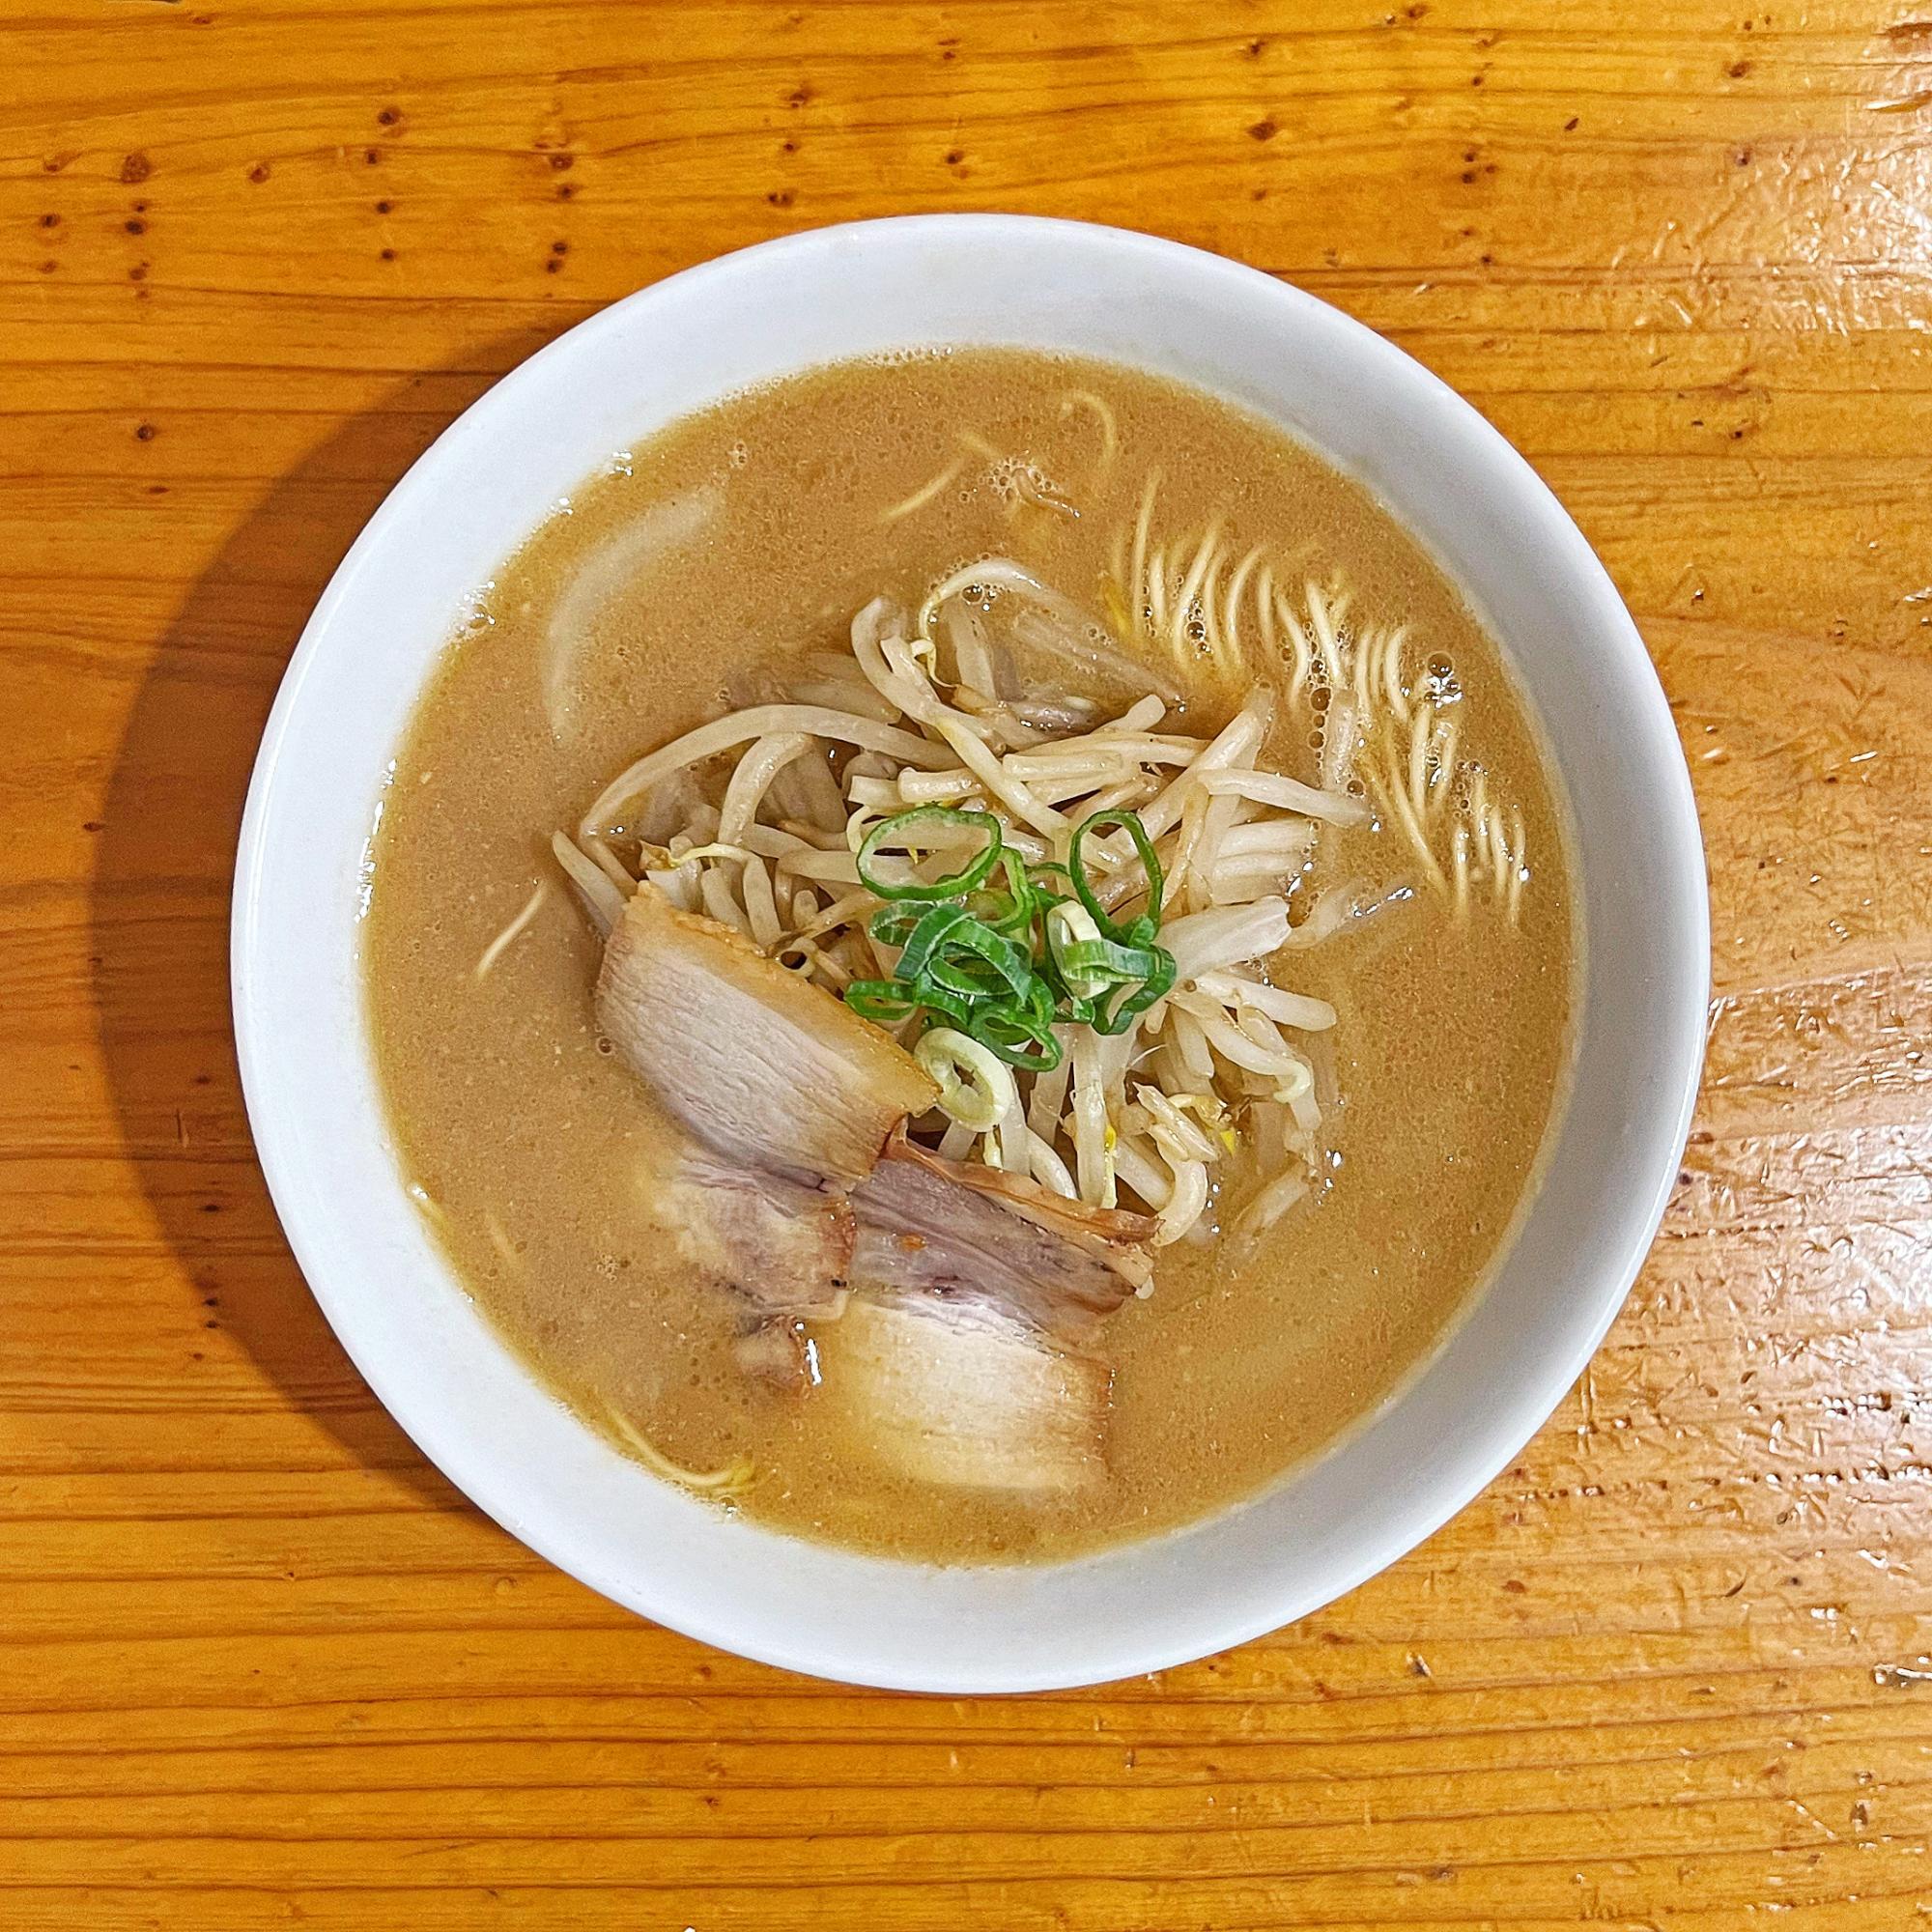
(263, 1666)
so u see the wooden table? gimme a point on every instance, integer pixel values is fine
(263, 1666)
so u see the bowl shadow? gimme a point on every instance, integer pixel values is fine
(158, 905)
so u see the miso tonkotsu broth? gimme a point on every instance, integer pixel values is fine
(1290, 1170)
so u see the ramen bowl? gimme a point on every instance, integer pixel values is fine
(471, 1402)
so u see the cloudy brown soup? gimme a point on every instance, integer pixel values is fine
(891, 1172)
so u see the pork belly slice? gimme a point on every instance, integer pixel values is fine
(964, 1401)
(960, 1355)
(760, 1065)
(785, 1244)
(966, 1235)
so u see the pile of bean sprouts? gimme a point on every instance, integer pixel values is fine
(922, 710)
(1207, 1111)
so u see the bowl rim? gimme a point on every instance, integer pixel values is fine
(1443, 1495)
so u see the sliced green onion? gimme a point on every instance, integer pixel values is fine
(1156, 987)
(1130, 823)
(891, 1001)
(933, 927)
(896, 831)
(1067, 925)
(974, 1087)
(1011, 911)
(1003, 953)
(1109, 962)
(971, 950)
(1021, 1035)
(887, 1001)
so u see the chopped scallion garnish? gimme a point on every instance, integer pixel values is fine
(999, 950)
(900, 831)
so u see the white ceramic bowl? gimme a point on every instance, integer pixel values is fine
(784, 306)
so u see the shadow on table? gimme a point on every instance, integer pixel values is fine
(158, 907)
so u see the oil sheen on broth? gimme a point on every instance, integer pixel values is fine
(525, 1136)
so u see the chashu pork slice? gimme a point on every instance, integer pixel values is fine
(785, 1244)
(964, 1401)
(946, 1235)
(959, 1359)
(761, 1067)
